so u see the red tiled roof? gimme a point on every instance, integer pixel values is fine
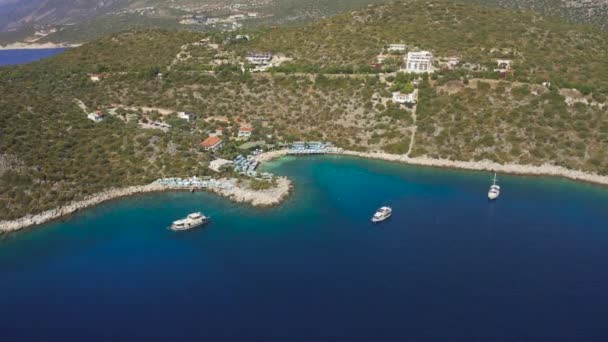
(246, 129)
(210, 142)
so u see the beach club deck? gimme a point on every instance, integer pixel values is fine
(310, 148)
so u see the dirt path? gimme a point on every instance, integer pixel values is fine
(413, 130)
(82, 106)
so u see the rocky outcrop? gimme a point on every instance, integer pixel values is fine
(259, 198)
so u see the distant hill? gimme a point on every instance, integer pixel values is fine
(39, 21)
(594, 12)
(17, 14)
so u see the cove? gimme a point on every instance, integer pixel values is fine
(448, 266)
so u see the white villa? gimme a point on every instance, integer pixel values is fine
(419, 62)
(185, 116)
(261, 58)
(397, 47)
(408, 99)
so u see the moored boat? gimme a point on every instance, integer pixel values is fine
(191, 221)
(382, 214)
(494, 190)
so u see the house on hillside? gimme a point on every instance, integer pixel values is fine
(185, 116)
(97, 116)
(397, 47)
(245, 132)
(212, 143)
(503, 65)
(407, 99)
(419, 62)
(259, 58)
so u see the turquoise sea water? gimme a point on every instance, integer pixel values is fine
(448, 266)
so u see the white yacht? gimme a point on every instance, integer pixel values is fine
(382, 214)
(191, 221)
(494, 190)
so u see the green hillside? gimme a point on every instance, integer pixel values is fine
(543, 49)
(51, 153)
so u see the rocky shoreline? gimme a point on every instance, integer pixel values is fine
(260, 198)
(484, 165)
(277, 194)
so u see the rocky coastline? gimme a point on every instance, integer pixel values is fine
(283, 187)
(259, 198)
(483, 165)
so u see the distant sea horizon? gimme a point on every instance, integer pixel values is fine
(24, 56)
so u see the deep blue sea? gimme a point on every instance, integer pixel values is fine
(448, 266)
(22, 56)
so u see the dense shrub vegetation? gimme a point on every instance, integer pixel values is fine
(50, 153)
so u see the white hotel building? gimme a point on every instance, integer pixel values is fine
(419, 62)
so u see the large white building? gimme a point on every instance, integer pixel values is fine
(259, 58)
(419, 62)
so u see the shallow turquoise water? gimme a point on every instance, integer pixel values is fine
(448, 266)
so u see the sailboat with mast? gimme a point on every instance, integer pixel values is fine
(494, 190)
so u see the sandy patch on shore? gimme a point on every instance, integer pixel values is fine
(25, 46)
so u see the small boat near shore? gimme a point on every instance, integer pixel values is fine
(191, 221)
(382, 214)
(494, 190)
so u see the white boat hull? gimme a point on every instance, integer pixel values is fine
(376, 220)
(191, 221)
(182, 228)
(382, 214)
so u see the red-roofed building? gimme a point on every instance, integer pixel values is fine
(212, 143)
(245, 132)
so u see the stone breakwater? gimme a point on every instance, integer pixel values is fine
(267, 197)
